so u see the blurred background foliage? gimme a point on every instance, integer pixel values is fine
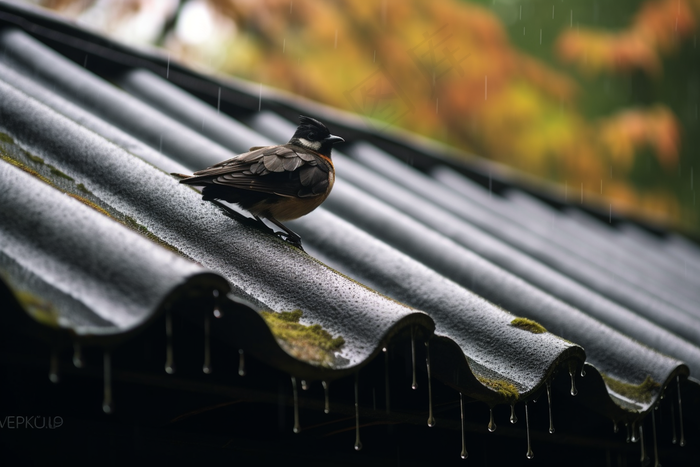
(599, 97)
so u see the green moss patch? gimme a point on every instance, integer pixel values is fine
(5, 138)
(41, 310)
(58, 173)
(503, 387)
(19, 165)
(312, 343)
(641, 392)
(528, 325)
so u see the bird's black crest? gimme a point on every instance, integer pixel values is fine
(312, 123)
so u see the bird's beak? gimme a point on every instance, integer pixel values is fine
(334, 139)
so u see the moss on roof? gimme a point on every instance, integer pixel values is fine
(528, 325)
(641, 392)
(312, 343)
(501, 386)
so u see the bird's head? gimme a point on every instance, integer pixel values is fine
(314, 135)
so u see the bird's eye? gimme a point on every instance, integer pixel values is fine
(312, 135)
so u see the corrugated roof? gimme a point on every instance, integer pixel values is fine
(98, 241)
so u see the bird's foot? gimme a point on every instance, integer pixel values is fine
(294, 240)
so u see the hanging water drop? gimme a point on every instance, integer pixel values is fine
(206, 368)
(627, 428)
(513, 418)
(492, 425)
(169, 364)
(297, 428)
(615, 428)
(680, 411)
(107, 403)
(241, 363)
(358, 443)
(574, 391)
(327, 406)
(431, 419)
(217, 312)
(529, 453)
(53, 367)
(414, 384)
(674, 438)
(549, 403)
(641, 443)
(653, 432)
(583, 372)
(78, 361)
(634, 438)
(304, 385)
(464, 453)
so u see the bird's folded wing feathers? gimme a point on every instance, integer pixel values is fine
(278, 170)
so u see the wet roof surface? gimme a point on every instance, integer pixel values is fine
(98, 242)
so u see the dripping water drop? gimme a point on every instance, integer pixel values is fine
(414, 384)
(107, 403)
(615, 427)
(217, 312)
(513, 417)
(628, 438)
(641, 444)
(574, 391)
(431, 419)
(297, 428)
(78, 361)
(674, 438)
(529, 453)
(492, 424)
(358, 443)
(53, 367)
(680, 411)
(327, 406)
(304, 385)
(241, 363)
(464, 453)
(206, 368)
(169, 364)
(634, 438)
(549, 403)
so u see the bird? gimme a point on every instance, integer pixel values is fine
(278, 183)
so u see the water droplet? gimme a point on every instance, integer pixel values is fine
(107, 403)
(615, 427)
(653, 432)
(574, 391)
(431, 419)
(680, 411)
(513, 418)
(215, 292)
(78, 361)
(634, 438)
(53, 367)
(206, 368)
(549, 403)
(217, 312)
(529, 453)
(241, 363)
(297, 428)
(327, 406)
(358, 443)
(169, 363)
(641, 444)
(627, 428)
(304, 385)
(414, 385)
(674, 438)
(492, 425)
(464, 453)
(583, 372)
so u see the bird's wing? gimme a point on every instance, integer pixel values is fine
(283, 170)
